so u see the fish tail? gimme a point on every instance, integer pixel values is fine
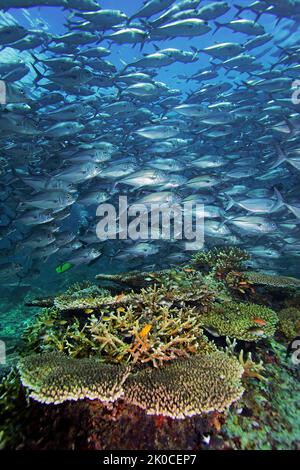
(36, 60)
(280, 202)
(100, 39)
(281, 157)
(240, 10)
(230, 204)
(221, 225)
(257, 17)
(195, 50)
(218, 26)
(39, 76)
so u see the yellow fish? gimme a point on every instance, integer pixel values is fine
(89, 310)
(120, 297)
(120, 309)
(145, 331)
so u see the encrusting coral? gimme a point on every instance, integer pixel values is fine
(187, 387)
(134, 279)
(289, 322)
(244, 321)
(268, 280)
(177, 286)
(55, 378)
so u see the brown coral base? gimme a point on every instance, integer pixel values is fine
(88, 425)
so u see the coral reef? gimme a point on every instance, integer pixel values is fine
(251, 368)
(183, 287)
(13, 408)
(186, 387)
(183, 345)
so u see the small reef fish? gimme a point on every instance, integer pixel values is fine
(145, 331)
(259, 321)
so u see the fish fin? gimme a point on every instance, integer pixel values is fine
(143, 43)
(36, 60)
(290, 126)
(246, 84)
(123, 62)
(71, 15)
(147, 24)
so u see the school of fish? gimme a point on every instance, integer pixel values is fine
(78, 130)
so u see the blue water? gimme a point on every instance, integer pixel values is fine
(53, 20)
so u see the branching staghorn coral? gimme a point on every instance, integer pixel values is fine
(251, 369)
(55, 378)
(157, 325)
(220, 260)
(45, 328)
(188, 386)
